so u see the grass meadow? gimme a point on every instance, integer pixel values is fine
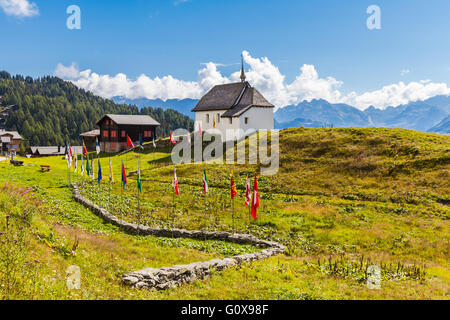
(343, 200)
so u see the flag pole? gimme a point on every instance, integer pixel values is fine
(110, 184)
(233, 216)
(205, 195)
(121, 197)
(249, 214)
(249, 210)
(139, 192)
(78, 176)
(234, 181)
(173, 202)
(68, 175)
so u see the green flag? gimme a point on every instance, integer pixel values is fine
(139, 177)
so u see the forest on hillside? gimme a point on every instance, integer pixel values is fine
(52, 111)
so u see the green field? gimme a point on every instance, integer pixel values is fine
(342, 200)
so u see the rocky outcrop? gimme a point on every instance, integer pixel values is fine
(164, 278)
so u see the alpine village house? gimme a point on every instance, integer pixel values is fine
(9, 142)
(114, 129)
(234, 106)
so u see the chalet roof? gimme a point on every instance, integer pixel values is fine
(125, 119)
(93, 133)
(15, 135)
(234, 97)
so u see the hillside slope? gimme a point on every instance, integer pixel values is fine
(342, 200)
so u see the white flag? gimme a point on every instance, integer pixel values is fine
(82, 165)
(97, 146)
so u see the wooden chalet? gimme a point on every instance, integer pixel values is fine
(114, 129)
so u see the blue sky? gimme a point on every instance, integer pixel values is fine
(172, 37)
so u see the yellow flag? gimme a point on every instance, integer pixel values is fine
(214, 122)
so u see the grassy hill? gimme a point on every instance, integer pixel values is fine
(343, 199)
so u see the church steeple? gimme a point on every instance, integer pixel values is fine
(242, 69)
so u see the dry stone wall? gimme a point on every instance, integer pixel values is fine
(174, 276)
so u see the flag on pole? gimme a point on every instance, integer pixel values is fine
(214, 122)
(92, 169)
(175, 182)
(233, 186)
(84, 149)
(66, 152)
(73, 162)
(255, 201)
(124, 175)
(198, 127)
(97, 146)
(172, 140)
(88, 166)
(76, 164)
(205, 183)
(99, 174)
(68, 155)
(141, 142)
(154, 144)
(111, 176)
(139, 177)
(130, 143)
(248, 192)
(82, 166)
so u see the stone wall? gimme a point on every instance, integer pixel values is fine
(170, 277)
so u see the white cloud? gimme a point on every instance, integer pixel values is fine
(397, 94)
(404, 72)
(70, 72)
(19, 8)
(261, 74)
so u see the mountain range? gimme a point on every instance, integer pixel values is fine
(420, 115)
(429, 115)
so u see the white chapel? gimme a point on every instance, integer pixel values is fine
(234, 106)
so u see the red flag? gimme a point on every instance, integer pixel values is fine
(172, 139)
(129, 142)
(255, 201)
(175, 182)
(84, 149)
(70, 151)
(124, 176)
(248, 193)
(233, 190)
